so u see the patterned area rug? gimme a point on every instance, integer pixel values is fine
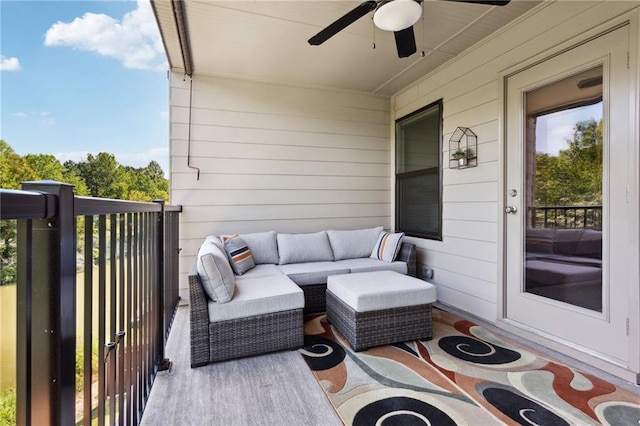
(465, 375)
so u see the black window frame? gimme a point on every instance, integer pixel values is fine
(399, 177)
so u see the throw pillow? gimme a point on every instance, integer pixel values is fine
(353, 244)
(298, 248)
(239, 254)
(215, 273)
(387, 246)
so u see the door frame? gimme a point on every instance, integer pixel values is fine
(630, 372)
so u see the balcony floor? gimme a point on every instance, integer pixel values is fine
(272, 389)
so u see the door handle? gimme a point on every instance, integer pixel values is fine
(510, 210)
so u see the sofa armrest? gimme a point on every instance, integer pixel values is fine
(407, 254)
(199, 321)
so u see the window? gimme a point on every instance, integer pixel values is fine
(419, 173)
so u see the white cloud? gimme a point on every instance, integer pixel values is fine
(9, 64)
(135, 40)
(46, 119)
(142, 159)
(133, 159)
(43, 118)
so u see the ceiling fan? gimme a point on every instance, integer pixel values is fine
(390, 15)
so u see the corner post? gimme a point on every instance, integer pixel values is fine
(163, 363)
(48, 304)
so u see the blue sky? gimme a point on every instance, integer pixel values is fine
(554, 131)
(80, 77)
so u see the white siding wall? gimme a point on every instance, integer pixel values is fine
(276, 157)
(466, 262)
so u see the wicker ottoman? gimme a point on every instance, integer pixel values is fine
(379, 308)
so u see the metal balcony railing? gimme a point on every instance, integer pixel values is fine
(588, 217)
(88, 348)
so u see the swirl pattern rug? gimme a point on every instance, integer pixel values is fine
(465, 375)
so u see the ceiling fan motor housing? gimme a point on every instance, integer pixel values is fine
(396, 15)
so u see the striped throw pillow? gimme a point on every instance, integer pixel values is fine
(239, 254)
(387, 246)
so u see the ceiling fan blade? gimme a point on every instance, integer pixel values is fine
(487, 2)
(343, 22)
(405, 42)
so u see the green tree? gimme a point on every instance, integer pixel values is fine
(13, 170)
(47, 167)
(574, 176)
(99, 176)
(145, 183)
(100, 173)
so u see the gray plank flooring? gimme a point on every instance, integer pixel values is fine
(272, 389)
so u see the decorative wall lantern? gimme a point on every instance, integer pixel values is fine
(463, 149)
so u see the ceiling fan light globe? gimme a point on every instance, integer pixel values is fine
(397, 15)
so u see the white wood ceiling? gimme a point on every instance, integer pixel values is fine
(267, 41)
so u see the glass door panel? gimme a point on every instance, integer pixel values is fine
(563, 190)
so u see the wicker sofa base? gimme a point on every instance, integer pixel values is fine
(315, 299)
(364, 330)
(255, 335)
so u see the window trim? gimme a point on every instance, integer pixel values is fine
(439, 103)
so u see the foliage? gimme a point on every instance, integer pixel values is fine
(13, 168)
(106, 178)
(47, 167)
(462, 153)
(80, 364)
(8, 406)
(8, 252)
(98, 176)
(574, 176)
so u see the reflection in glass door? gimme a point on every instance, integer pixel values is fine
(563, 190)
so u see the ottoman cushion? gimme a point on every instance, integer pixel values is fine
(372, 291)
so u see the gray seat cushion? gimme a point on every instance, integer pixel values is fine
(264, 270)
(373, 291)
(543, 273)
(310, 273)
(258, 296)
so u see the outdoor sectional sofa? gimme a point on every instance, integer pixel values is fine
(565, 264)
(258, 307)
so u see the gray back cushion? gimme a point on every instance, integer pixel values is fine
(298, 248)
(540, 240)
(263, 246)
(353, 244)
(215, 273)
(566, 240)
(590, 244)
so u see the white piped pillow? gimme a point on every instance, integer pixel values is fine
(387, 246)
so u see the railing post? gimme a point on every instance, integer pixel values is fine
(163, 363)
(47, 304)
